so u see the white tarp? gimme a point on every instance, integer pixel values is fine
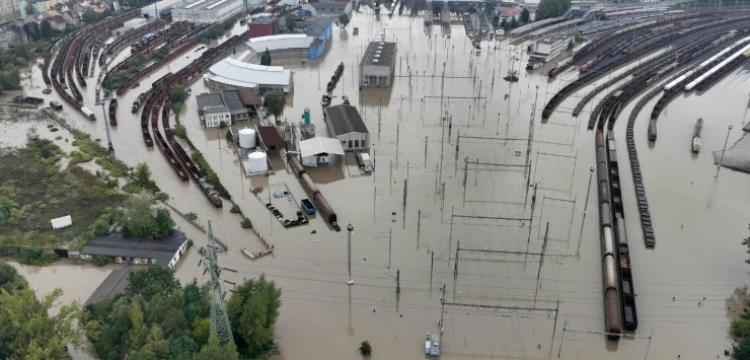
(62, 222)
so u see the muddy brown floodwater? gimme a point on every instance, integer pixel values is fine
(448, 129)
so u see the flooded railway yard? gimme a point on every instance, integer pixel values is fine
(474, 199)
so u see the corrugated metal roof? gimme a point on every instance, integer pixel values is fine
(280, 42)
(270, 136)
(115, 244)
(345, 119)
(318, 145)
(243, 72)
(232, 101)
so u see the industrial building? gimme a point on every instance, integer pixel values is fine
(545, 50)
(320, 30)
(119, 249)
(329, 9)
(378, 64)
(160, 9)
(237, 110)
(320, 151)
(212, 111)
(206, 11)
(230, 74)
(345, 124)
(265, 24)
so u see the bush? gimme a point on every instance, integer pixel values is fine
(161, 196)
(100, 260)
(190, 243)
(235, 209)
(246, 223)
(180, 131)
(77, 157)
(35, 256)
(192, 216)
(365, 348)
(132, 187)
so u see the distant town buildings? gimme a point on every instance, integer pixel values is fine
(378, 63)
(345, 124)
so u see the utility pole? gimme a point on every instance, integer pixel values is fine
(349, 231)
(398, 281)
(219, 321)
(390, 232)
(721, 160)
(588, 192)
(442, 309)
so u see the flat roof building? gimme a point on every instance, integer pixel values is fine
(378, 64)
(120, 249)
(345, 124)
(206, 11)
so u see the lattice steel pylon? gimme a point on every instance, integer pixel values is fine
(219, 320)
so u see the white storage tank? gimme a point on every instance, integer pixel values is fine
(257, 161)
(247, 138)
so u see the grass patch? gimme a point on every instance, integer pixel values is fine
(192, 216)
(73, 191)
(246, 223)
(132, 187)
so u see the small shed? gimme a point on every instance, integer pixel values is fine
(319, 151)
(62, 222)
(270, 136)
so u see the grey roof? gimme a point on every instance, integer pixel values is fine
(113, 285)
(233, 101)
(329, 6)
(319, 25)
(215, 109)
(344, 119)
(203, 4)
(116, 244)
(212, 99)
(387, 54)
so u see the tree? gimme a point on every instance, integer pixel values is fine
(275, 102)
(265, 59)
(525, 16)
(177, 94)
(90, 16)
(29, 333)
(551, 8)
(252, 310)
(513, 23)
(152, 281)
(180, 131)
(144, 221)
(214, 351)
(22, 51)
(571, 44)
(344, 20)
(365, 348)
(142, 174)
(183, 348)
(504, 24)
(45, 29)
(30, 10)
(291, 22)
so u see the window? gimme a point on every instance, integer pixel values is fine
(350, 144)
(356, 143)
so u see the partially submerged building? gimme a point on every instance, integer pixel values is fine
(320, 151)
(547, 49)
(378, 63)
(230, 74)
(212, 111)
(206, 11)
(120, 249)
(345, 124)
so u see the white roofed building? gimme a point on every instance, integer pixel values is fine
(206, 11)
(282, 46)
(161, 8)
(230, 74)
(319, 151)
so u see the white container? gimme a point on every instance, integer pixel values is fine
(247, 138)
(257, 161)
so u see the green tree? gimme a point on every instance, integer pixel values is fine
(30, 10)
(291, 22)
(180, 131)
(571, 44)
(144, 221)
(525, 16)
(90, 16)
(252, 310)
(265, 59)
(27, 332)
(22, 51)
(182, 348)
(344, 20)
(45, 29)
(551, 8)
(177, 94)
(155, 280)
(275, 102)
(142, 174)
(513, 23)
(214, 351)
(504, 24)
(9, 278)
(365, 348)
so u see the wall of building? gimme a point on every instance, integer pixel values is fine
(207, 16)
(213, 120)
(354, 141)
(375, 75)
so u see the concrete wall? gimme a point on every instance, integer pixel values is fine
(354, 141)
(376, 75)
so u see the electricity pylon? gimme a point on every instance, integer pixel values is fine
(219, 321)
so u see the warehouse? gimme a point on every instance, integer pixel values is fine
(345, 124)
(206, 11)
(119, 249)
(320, 151)
(282, 46)
(378, 64)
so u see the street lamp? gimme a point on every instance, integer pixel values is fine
(349, 231)
(718, 167)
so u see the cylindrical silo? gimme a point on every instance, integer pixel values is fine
(257, 161)
(247, 138)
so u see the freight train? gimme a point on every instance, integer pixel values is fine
(323, 206)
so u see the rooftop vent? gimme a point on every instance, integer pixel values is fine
(375, 61)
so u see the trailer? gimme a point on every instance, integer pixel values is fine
(89, 114)
(55, 105)
(364, 162)
(28, 100)
(307, 205)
